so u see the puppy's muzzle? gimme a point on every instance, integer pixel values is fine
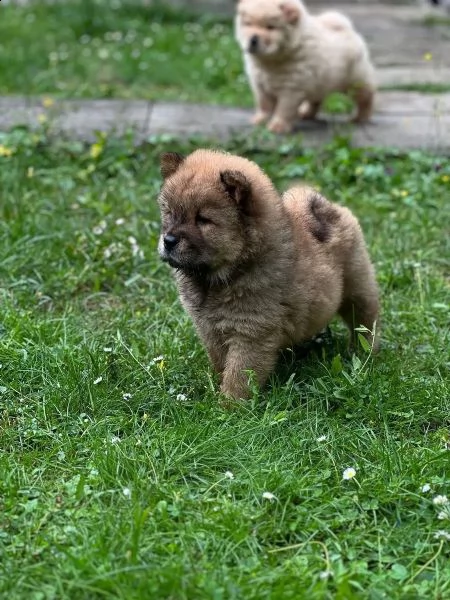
(170, 241)
(253, 44)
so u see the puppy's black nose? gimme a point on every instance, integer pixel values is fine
(253, 42)
(170, 241)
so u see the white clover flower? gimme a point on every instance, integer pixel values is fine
(269, 496)
(126, 492)
(126, 395)
(120, 221)
(229, 475)
(61, 455)
(322, 438)
(442, 535)
(426, 488)
(135, 250)
(156, 360)
(115, 439)
(181, 397)
(98, 380)
(103, 53)
(107, 349)
(324, 575)
(443, 515)
(349, 473)
(440, 500)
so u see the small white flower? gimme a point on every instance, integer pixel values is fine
(426, 488)
(443, 515)
(120, 221)
(156, 360)
(269, 496)
(349, 473)
(127, 396)
(103, 53)
(107, 349)
(115, 439)
(442, 535)
(322, 438)
(324, 575)
(229, 475)
(100, 228)
(98, 380)
(440, 500)
(181, 397)
(126, 492)
(61, 455)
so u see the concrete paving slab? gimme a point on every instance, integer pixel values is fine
(402, 120)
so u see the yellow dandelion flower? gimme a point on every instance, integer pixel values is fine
(30, 172)
(47, 102)
(5, 151)
(403, 193)
(445, 178)
(42, 119)
(428, 56)
(96, 150)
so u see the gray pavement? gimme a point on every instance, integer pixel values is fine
(404, 120)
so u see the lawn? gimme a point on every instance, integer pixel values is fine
(120, 474)
(93, 49)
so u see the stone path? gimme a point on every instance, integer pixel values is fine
(403, 120)
(404, 49)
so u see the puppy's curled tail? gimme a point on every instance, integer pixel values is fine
(335, 20)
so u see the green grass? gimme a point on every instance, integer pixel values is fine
(113, 460)
(423, 88)
(88, 48)
(436, 20)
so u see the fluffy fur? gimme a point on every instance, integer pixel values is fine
(294, 59)
(258, 272)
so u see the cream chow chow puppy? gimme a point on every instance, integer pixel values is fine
(294, 60)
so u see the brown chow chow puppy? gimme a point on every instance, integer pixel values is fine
(258, 272)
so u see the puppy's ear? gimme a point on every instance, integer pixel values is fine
(238, 187)
(169, 163)
(291, 12)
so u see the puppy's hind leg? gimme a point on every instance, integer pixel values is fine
(364, 99)
(308, 110)
(360, 305)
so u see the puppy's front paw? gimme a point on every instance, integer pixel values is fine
(279, 126)
(259, 118)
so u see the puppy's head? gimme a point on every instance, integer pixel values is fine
(207, 207)
(267, 27)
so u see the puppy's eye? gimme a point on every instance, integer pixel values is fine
(202, 220)
(270, 27)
